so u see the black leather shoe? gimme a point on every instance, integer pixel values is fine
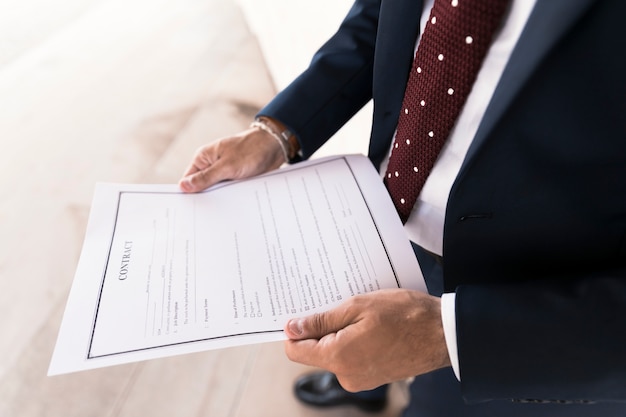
(321, 389)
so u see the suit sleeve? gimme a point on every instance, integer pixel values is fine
(337, 83)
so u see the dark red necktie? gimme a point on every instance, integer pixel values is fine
(450, 53)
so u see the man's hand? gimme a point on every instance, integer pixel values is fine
(246, 154)
(372, 339)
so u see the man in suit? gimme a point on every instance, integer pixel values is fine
(530, 244)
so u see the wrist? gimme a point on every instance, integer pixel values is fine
(287, 140)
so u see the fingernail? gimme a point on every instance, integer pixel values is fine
(185, 184)
(296, 326)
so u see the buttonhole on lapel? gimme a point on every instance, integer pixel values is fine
(476, 216)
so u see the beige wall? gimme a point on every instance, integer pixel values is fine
(289, 32)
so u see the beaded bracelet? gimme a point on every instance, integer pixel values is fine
(284, 142)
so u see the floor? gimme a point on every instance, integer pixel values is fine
(118, 91)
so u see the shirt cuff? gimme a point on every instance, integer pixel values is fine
(448, 318)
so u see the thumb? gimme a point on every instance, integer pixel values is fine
(205, 178)
(316, 326)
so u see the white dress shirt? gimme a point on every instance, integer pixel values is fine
(425, 224)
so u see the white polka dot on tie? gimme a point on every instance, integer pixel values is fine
(415, 169)
(389, 175)
(433, 20)
(450, 91)
(431, 134)
(396, 174)
(419, 70)
(440, 57)
(406, 111)
(455, 3)
(469, 40)
(396, 146)
(422, 103)
(402, 200)
(408, 141)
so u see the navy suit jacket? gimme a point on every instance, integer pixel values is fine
(535, 230)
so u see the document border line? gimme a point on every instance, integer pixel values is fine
(226, 184)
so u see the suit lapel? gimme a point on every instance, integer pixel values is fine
(398, 27)
(399, 22)
(548, 22)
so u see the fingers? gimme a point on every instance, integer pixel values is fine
(313, 352)
(249, 153)
(200, 161)
(313, 339)
(198, 179)
(333, 351)
(307, 352)
(195, 176)
(319, 325)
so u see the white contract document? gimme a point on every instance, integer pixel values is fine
(164, 273)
